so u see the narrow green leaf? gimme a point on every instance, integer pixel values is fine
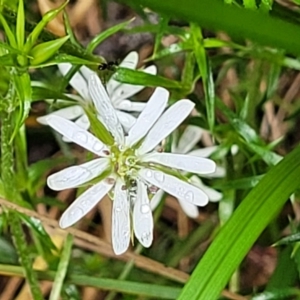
(44, 51)
(62, 268)
(141, 78)
(69, 31)
(171, 50)
(206, 74)
(9, 34)
(33, 36)
(62, 57)
(20, 30)
(290, 239)
(97, 40)
(239, 233)
(42, 93)
(252, 140)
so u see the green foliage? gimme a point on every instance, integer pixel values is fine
(236, 82)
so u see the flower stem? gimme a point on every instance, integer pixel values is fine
(11, 192)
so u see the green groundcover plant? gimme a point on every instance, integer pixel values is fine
(205, 128)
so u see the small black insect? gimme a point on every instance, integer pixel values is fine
(109, 66)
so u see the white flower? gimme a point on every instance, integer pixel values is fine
(187, 141)
(129, 167)
(118, 92)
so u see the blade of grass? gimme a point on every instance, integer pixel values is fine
(129, 287)
(238, 22)
(239, 233)
(62, 268)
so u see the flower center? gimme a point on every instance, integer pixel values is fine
(123, 161)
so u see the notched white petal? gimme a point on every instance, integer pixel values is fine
(70, 113)
(190, 209)
(128, 105)
(77, 135)
(142, 216)
(127, 120)
(148, 116)
(77, 81)
(120, 220)
(77, 175)
(105, 109)
(86, 72)
(169, 121)
(204, 152)
(84, 203)
(184, 162)
(213, 195)
(174, 186)
(189, 138)
(156, 199)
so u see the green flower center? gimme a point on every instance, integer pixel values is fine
(123, 160)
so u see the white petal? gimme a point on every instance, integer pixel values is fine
(126, 120)
(70, 113)
(213, 195)
(84, 203)
(142, 216)
(148, 116)
(174, 186)
(125, 90)
(190, 137)
(120, 220)
(130, 62)
(170, 120)
(77, 81)
(204, 152)
(219, 173)
(77, 135)
(83, 122)
(156, 199)
(105, 109)
(184, 162)
(128, 105)
(190, 209)
(87, 73)
(77, 175)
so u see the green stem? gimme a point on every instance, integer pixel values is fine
(11, 193)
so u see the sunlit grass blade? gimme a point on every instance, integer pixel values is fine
(240, 232)
(62, 269)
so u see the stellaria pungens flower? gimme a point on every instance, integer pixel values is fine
(128, 168)
(118, 92)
